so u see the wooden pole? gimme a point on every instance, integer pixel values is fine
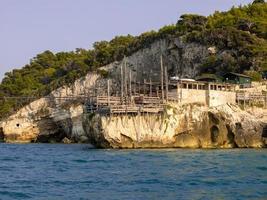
(94, 90)
(166, 83)
(121, 82)
(144, 87)
(265, 100)
(130, 86)
(108, 93)
(136, 77)
(162, 77)
(150, 88)
(96, 98)
(178, 96)
(135, 85)
(139, 88)
(125, 79)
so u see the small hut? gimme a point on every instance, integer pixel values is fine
(243, 80)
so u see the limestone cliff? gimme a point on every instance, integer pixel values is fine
(52, 119)
(49, 119)
(180, 126)
(186, 126)
(45, 119)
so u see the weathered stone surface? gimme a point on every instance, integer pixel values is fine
(187, 126)
(181, 126)
(66, 140)
(49, 120)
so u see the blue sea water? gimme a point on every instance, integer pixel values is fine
(57, 171)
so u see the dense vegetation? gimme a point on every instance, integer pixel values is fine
(240, 33)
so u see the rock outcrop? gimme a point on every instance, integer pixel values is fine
(180, 126)
(186, 126)
(49, 119)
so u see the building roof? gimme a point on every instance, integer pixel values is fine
(236, 74)
(208, 76)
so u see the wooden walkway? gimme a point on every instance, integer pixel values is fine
(125, 105)
(255, 96)
(251, 98)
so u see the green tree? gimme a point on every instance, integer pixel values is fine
(189, 23)
(258, 1)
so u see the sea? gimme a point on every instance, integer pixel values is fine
(78, 171)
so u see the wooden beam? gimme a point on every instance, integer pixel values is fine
(135, 85)
(139, 87)
(166, 83)
(125, 78)
(108, 93)
(130, 86)
(150, 87)
(162, 77)
(144, 87)
(122, 83)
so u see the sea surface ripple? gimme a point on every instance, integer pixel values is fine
(57, 171)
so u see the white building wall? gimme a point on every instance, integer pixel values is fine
(217, 98)
(208, 97)
(193, 96)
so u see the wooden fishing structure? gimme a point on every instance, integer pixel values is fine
(129, 96)
(135, 97)
(251, 98)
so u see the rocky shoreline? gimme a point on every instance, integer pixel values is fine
(187, 126)
(179, 126)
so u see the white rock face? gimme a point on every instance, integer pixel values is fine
(186, 126)
(49, 117)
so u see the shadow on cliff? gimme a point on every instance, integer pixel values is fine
(2, 136)
(264, 134)
(51, 132)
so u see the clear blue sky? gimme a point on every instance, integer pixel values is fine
(28, 27)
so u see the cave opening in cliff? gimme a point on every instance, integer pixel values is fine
(264, 132)
(214, 134)
(56, 137)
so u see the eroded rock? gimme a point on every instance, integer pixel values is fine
(187, 126)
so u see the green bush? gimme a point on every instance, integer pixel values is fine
(256, 76)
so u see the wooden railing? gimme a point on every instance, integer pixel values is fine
(116, 105)
(255, 96)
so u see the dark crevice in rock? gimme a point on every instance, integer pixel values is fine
(264, 132)
(214, 131)
(51, 138)
(214, 119)
(2, 136)
(238, 126)
(51, 132)
(231, 136)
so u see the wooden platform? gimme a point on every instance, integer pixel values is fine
(123, 109)
(255, 96)
(125, 105)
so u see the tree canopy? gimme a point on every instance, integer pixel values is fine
(258, 1)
